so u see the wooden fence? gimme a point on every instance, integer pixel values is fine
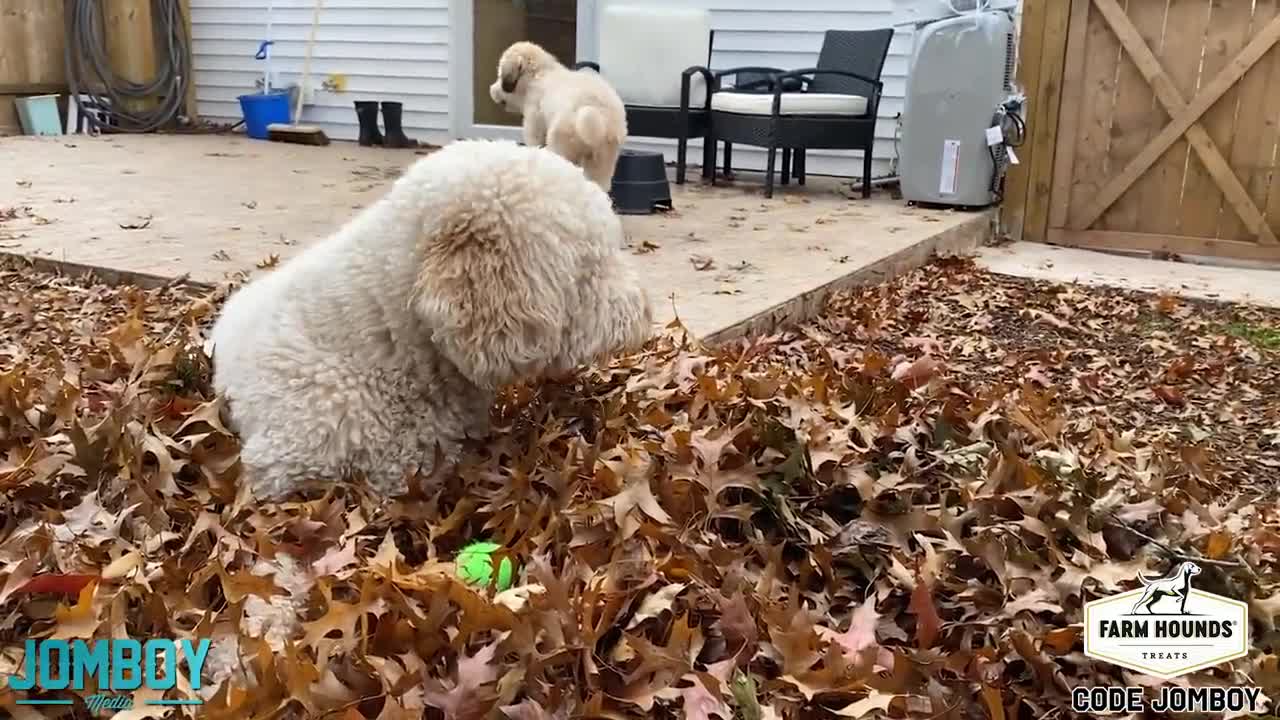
(1153, 126)
(33, 41)
(31, 54)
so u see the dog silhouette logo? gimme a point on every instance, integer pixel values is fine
(1166, 627)
(1176, 584)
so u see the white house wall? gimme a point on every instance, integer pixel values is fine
(394, 50)
(399, 50)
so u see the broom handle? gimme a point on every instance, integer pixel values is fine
(306, 61)
(266, 79)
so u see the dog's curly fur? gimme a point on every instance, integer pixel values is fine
(576, 113)
(487, 262)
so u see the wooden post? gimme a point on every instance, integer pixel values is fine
(1030, 41)
(131, 44)
(1041, 62)
(1042, 123)
(1043, 128)
(189, 103)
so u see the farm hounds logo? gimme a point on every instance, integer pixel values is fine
(118, 668)
(1167, 628)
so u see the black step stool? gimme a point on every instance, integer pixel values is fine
(640, 183)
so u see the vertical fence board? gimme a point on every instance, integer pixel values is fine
(189, 101)
(1226, 33)
(1255, 134)
(1137, 115)
(1184, 38)
(130, 44)
(1271, 116)
(1017, 182)
(1045, 126)
(1101, 60)
(31, 42)
(1072, 112)
(1150, 187)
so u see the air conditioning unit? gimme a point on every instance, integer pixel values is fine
(962, 115)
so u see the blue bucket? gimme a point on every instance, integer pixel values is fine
(260, 110)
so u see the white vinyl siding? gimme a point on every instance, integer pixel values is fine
(394, 50)
(400, 50)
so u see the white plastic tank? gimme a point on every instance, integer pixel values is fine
(961, 73)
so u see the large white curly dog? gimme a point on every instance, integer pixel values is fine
(486, 262)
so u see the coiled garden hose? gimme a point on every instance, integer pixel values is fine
(99, 93)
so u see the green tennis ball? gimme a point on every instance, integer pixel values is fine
(475, 565)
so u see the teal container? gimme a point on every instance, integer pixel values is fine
(39, 115)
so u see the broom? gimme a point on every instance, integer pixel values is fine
(293, 132)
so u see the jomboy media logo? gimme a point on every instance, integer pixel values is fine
(117, 668)
(1167, 628)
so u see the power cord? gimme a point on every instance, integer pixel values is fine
(88, 66)
(1013, 133)
(974, 6)
(896, 162)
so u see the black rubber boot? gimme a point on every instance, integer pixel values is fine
(391, 115)
(367, 112)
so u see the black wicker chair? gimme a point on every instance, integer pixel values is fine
(748, 79)
(836, 107)
(642, 48)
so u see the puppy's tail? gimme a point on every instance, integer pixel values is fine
(590, 125)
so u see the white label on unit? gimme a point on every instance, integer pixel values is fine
(950, 167)
(995, 135)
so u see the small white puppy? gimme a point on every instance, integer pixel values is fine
(577, 114)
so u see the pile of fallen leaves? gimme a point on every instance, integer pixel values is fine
(897, 510)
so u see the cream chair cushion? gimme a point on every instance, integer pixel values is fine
(793, 103)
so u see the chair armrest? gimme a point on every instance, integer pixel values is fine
(719, 75)
(586, 64)
(874, 82)
(778, 81)
(686, 81)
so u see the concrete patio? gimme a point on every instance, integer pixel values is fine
(1252, 285)
(727, 261)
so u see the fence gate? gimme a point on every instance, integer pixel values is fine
(1167, 128)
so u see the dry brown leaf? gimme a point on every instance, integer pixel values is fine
(1217, 545)
(995, 706)
(701, 262)
(928, 622)
(1062, 639)
(79, 620)
(656, 603)
(700, 704)
(861, 633)
(874, 702)
(467, 699)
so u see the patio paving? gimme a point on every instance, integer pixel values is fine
(150, 208)
(1252, 285)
